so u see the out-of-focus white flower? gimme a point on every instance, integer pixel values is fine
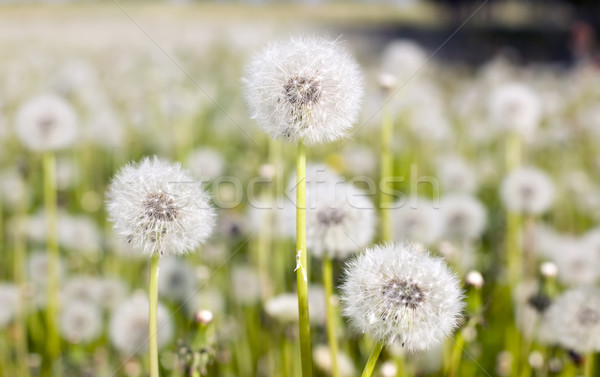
(46, 122)
(246, 285)
(359, 160)
(474, 279)
(417, 219)
(527, 190)
(341, 222)
(9, 302)
(573, 320)
(396, 293)
(37, 267)
(284, 307)
(515, 107)
(456, 175)
(322, 358)
(176, 279)
(430, 125)
(13, 188)
(80, 322)
(305, 89)
(157, 207)
(577, 264)
(128, 329)
(403, 59)
(206, 299)
(463, 217)
(206, 163)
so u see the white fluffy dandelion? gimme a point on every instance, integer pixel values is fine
(323, 361)
(46, 122)
(157, 207)
(573, 320)
(417, 219)
(394, 293)
(9, 301)
(176, 280)
(304, 89)
(206, 163)
(403, 58)
(515, 107)
(128, 329)
(456, 175)
(341, 223)
(527, 190)
(463, 217)
(80, 322)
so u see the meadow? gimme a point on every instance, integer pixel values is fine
(487, 174)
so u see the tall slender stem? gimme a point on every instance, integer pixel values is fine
(387, 171)
(331, 325)
(301, 262)
(589, 365)
(51, 208)
(152, 315)
(514, 220)
(20, 247)
(370, 366)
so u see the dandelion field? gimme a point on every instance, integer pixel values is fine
(289, 187)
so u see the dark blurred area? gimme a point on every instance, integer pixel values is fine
(528, 31)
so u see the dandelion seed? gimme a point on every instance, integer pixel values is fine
(305, 89)
(394, 293)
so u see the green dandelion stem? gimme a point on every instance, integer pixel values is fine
(372, 361)
(331, 325)
(301, 262)
(387, 171)
(152, 315)
(51, 209)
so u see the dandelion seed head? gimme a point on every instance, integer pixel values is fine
(395, 293)
(9, 302)
(157, 207)
(176, 280)
(341, 222)
(46, 122)
(456, 175)
(527, 190)
(417, 219)
(463, 217)
(515, 107)
(206, 163)
(128, 328)
(304, 89)
(573, 320)
(322, 358)
(80, 322)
